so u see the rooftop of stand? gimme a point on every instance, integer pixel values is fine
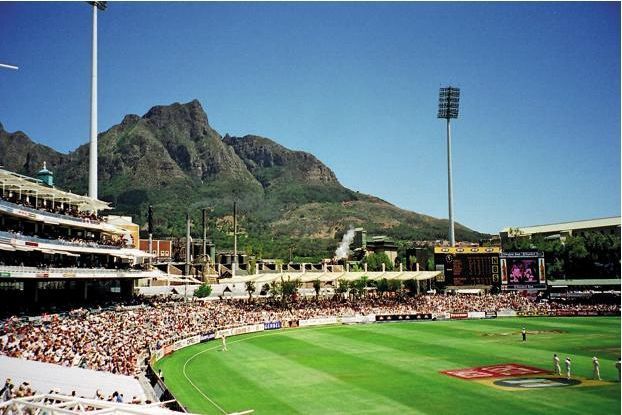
(34, 187)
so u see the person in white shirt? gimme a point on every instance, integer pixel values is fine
(596, 368)
(224, 343)
(556, 368)
(568, 363)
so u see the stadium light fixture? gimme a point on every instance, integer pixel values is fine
(448, 103)
(7, 66)
(97, 5)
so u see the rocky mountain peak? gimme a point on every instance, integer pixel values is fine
(190, 114)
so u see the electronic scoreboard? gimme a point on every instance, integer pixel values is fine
(523, 271)
(466, 266)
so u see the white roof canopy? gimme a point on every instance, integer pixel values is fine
(333, 276)
(33, 187)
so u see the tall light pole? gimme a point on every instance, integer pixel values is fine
(7, 66)
(448, 102)
(97, 5)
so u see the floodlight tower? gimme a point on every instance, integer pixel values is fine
(448, 102)
(97, 5)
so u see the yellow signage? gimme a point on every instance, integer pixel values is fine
(467, 250)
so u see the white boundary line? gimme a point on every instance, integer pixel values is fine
(280, 331)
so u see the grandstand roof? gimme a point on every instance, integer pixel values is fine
(333, 276)
(31, 186)
(565, 226)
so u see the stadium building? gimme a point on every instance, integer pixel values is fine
(564, 229)
(56, 248)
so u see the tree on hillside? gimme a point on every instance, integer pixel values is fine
(374, 262)
(317, 285)
(357, 287)
(289, 289)
(250, 288)
(395, 285)
(411, 286)
(431, 266)
(343, 286)
(382, 286)
(204, 290)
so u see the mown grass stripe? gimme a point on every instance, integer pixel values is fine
(393, 368)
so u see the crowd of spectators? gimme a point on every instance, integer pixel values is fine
(10, 391)
(59, 208)
(119, 339)
(90, 240)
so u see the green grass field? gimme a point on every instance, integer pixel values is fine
(393, 368)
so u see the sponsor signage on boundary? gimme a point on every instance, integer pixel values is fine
(458, 316)
(358, 319)
(318, 321)
(251, 328)
(207, 337)
(272, 325)
(168, 349)
(440, 316)
(476, 314)
(158, 354)
(5, 274)
(403, 317)
(490, 314)
(495, 371)
(506, 313)
(537, 382)
(180, 344)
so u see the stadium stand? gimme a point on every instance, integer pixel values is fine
(44, 377)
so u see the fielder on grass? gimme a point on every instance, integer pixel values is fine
(596, 368)
(556, 368)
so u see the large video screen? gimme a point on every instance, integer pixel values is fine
(468, 266)
(523, 270)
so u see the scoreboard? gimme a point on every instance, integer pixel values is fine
(466, 266)
(523, 271)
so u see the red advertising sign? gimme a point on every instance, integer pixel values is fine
(495, 371)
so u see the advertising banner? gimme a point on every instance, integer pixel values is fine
(458, 316)
(403, 317)
(506, 313)
(272, 325)
(476, 314)
(168, 349)
(180, 344)
(358, 319)
(318, 321)
(252, 328)
(158, 354)
(208, 336)
(490, 314)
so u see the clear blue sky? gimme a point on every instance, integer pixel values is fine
(356, 84)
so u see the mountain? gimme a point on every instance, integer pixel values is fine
(171, 158)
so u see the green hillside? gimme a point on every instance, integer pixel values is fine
(171, 158)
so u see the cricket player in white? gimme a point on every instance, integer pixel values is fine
(568, 367)
(596, 368)
(618, 366)
(556, 368)
(224, 343)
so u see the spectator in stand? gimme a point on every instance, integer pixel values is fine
(118, 340)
